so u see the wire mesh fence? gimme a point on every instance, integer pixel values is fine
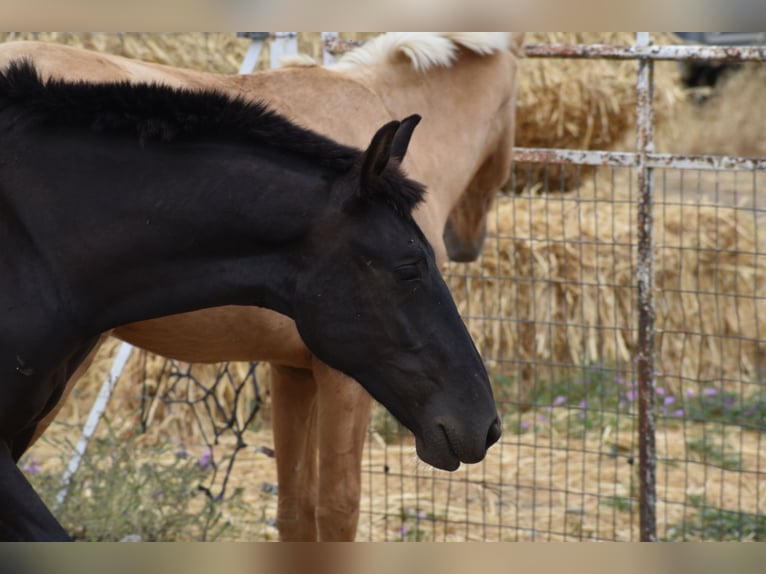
(553, 305)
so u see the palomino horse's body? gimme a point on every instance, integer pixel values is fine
(461, 151)
(121, 202)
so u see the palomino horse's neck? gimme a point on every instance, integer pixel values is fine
(467, 119)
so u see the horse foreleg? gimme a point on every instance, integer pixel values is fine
(294, 411)
(344, 414)
(45, 422)
(23, 515)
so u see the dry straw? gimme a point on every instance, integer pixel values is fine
(583, 104)
(557, 283)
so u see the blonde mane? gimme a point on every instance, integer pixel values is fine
(424, 49)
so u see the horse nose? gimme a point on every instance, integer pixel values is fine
(495, 430)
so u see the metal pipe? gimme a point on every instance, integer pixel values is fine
(647, 456)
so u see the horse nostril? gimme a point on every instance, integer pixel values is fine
(495, 430)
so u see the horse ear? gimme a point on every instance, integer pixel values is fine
(375, 158)
(402, 137)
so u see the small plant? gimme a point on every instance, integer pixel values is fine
(114, 496)
(412, 518)
(713, 523)
(504, 388)
(621, 503)
(711, 404)
(720, 455)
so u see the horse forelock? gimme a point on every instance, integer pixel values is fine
(398, 191)
(425, 50)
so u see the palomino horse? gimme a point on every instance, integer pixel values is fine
(122, 202)
(465, 85)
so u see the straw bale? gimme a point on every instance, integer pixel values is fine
(211, 52)
(582, 104)
(730, 121)
(556, 285)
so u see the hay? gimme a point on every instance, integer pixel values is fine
(583, 104)
(556, 284)
(729, 122)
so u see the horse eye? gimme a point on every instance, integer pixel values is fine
(407, 272)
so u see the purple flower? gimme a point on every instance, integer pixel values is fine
(205, 459)
(404, 530)
(660, 391)
(582, 404)
(542, 419)
(619, 379)
(631, 395)
(524, 424)
(710, 391)
(422, 515)
(690, 393)
(678, 413)
(33, 467)
(669, 400)
(559, 400)
(582, 416)
(410, 511)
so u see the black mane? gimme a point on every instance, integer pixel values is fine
(154, 112)
(160, 113)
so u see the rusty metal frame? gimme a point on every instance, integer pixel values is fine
(644, 160)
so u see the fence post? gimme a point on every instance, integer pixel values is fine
(282, 43)
(645, 279)
(254, 51)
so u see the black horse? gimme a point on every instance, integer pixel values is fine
(120, 203)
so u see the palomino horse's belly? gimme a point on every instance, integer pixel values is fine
(219, 334)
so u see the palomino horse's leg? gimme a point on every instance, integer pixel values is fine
(23, 516)
(294, 411)
(344, 415)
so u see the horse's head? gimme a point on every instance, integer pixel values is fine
(466, 226)
(371, 302)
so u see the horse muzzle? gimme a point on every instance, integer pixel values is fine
(445, 445)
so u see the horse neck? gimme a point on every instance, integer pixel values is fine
(170, 232)
(465, 121)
